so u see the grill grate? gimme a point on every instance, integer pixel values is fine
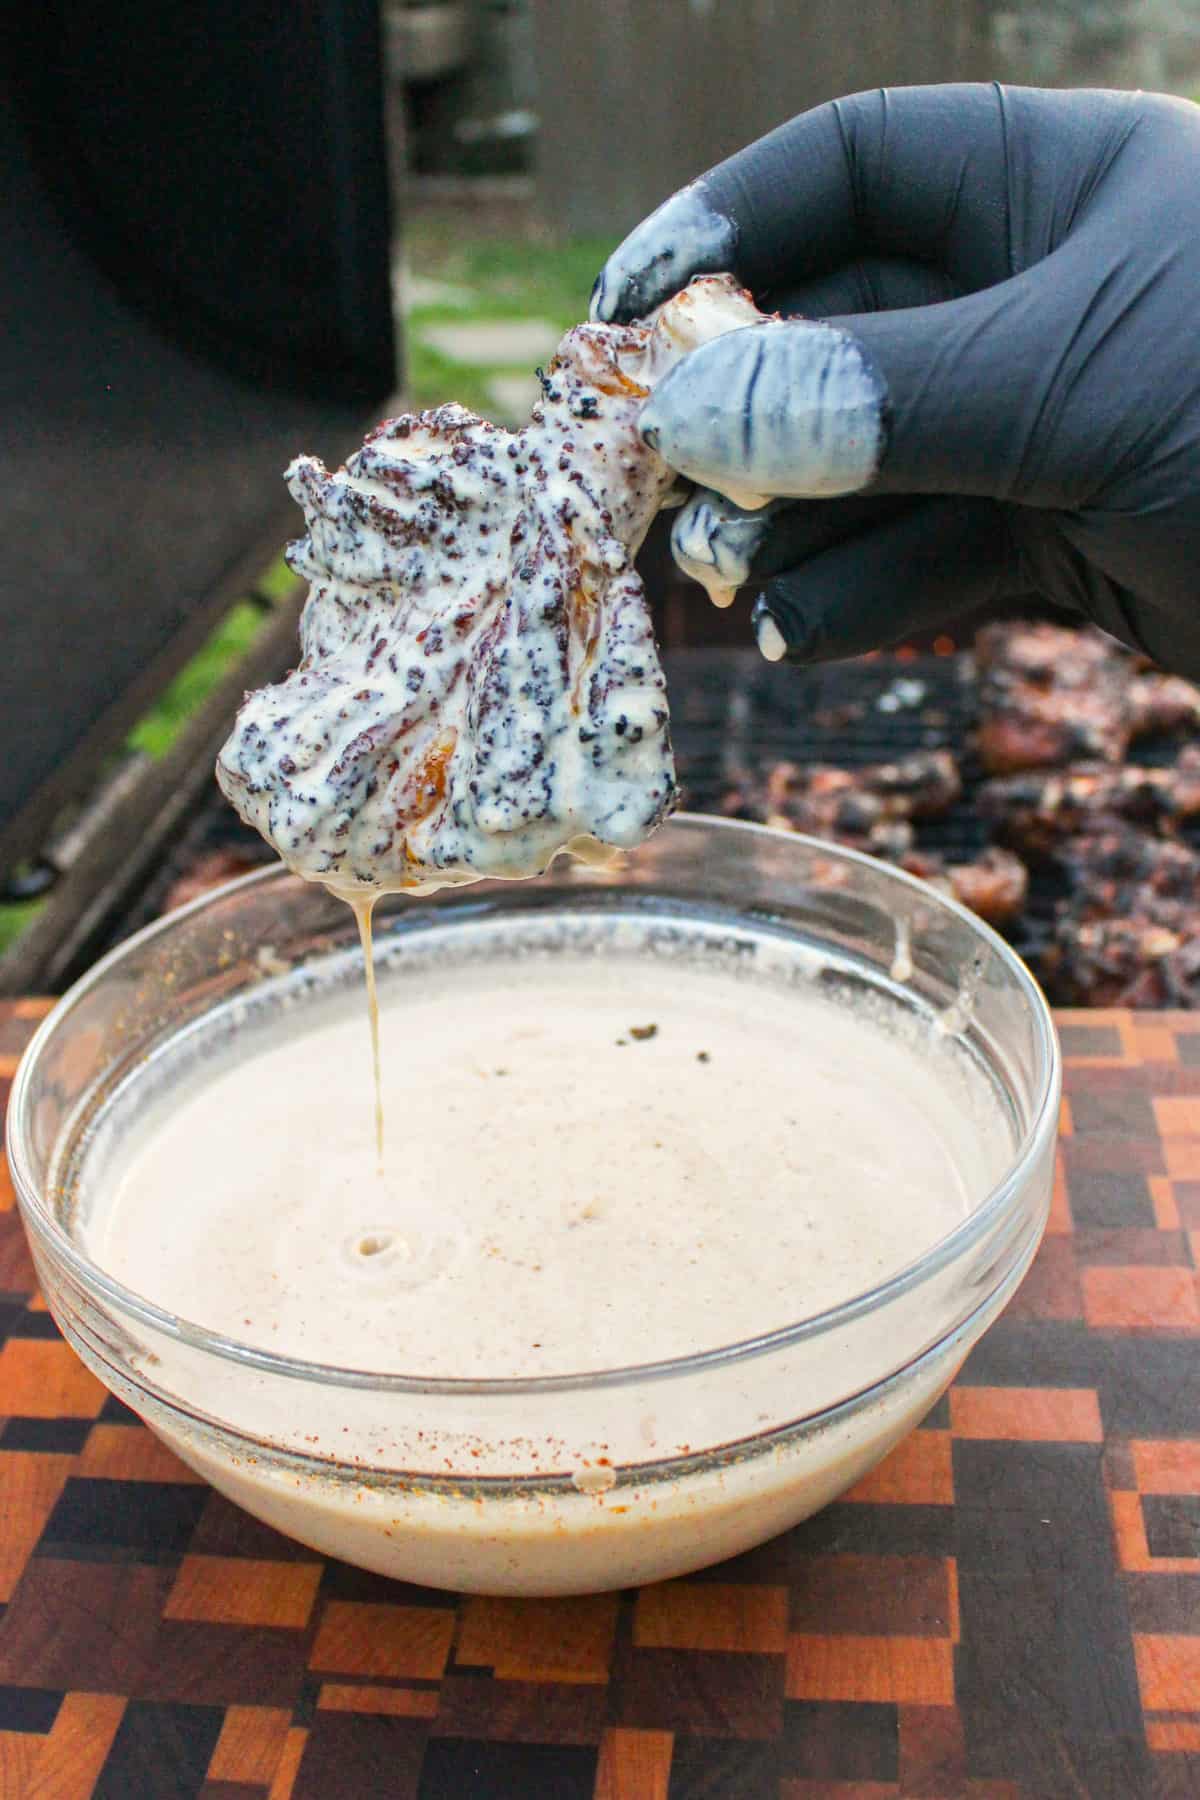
(733, 715)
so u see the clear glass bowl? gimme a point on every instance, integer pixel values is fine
(774, 1427)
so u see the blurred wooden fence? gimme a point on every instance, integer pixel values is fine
(637, 96)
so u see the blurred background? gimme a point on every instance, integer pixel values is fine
(235, 232)
(529, 135)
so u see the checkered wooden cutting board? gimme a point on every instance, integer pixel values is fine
(1008, 1607)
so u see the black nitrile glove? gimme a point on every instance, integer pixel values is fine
(1013, 393)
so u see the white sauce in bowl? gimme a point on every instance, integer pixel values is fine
(560, 1193)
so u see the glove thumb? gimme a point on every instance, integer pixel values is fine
(783, 409)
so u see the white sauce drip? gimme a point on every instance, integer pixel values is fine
(957, 1016)
(714, 542)
(902, 963)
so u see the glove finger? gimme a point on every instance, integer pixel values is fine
(685, 236)
(802, 529)
(868, 284)
(940, 174)
(723, 546)
(931, 563)
(714, 542)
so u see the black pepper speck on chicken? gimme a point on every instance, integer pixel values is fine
(480, 688)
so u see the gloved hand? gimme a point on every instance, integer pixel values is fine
(1011, 392)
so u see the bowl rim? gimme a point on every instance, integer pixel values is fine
(58, 1244)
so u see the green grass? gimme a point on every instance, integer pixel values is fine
(14, 917)
(506, 277)
(430, 379)
(158, 729)
(498, 278)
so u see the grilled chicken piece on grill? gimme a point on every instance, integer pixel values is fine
(1163, 703)
(1037, 812)
(1185, 785)
(873, 808)
(865, 809)
(1049, 696)
(1131, 961)
(1048, 655)
(1031, 730)
(1129, 932)
(480, 687)
(1124, 872)
(995, 885)
(821, 799)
